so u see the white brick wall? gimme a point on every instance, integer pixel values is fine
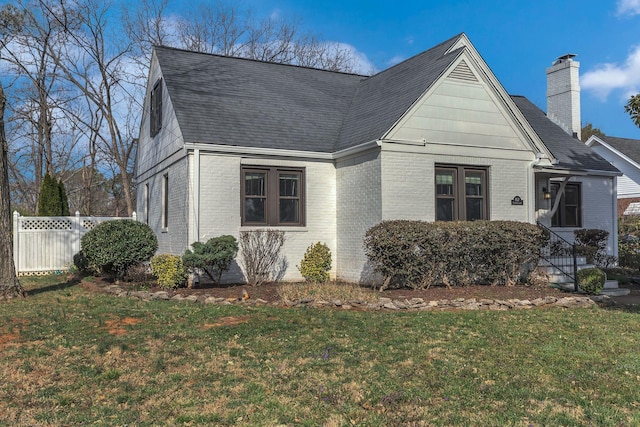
(598, 210)
(563, 95)
(173, 239)
(408, 189)
(220, 207)
(359, 207)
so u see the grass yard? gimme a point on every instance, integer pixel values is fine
(72, 357)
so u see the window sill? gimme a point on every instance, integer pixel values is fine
(293, 229)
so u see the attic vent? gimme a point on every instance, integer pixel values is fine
(463, 72)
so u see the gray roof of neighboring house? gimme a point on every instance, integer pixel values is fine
(627, 146)
(571, 153)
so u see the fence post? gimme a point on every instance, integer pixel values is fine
(16, 240)
(76, 246)
(134, 216)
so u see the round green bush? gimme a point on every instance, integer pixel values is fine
(591, 280)
(316, 263)
(113, 246)
(169, 270)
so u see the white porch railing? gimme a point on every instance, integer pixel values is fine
(47, 244)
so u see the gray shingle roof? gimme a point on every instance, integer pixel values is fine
(382, 99)
(242, 102)
(235, 101)
(628, 147)
(572, 154)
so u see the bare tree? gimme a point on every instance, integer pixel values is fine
(10, 286)
(26, 57)
(216, 28)
(95, 63)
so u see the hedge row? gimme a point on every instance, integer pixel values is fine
(418, 254)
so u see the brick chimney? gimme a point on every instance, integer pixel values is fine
(563, 94)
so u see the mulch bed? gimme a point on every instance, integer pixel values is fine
(269, 291)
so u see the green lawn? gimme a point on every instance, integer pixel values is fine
(71, 357)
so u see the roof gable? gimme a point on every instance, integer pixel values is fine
(626, 148)
(382, 99)
(463, 108)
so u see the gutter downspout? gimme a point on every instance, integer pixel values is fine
(196, 196)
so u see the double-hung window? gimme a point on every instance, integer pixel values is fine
(461, 193)
(272, 196)
(569, 213)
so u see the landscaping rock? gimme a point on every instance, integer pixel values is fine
(383, 303)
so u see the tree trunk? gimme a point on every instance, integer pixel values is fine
(9, 285)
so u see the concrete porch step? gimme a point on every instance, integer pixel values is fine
(610, 288)
(615, 292)
(563, 260)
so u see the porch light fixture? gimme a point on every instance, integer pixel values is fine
(546, 193)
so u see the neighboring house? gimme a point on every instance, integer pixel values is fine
(624, 154)
(229, 144)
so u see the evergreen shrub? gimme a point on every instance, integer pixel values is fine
(213, 257)
(591, 280)
(113, 246)
(418, 254)
(169, 270)
(316, 263)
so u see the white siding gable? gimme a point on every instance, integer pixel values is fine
(629, 183)
(461, 109)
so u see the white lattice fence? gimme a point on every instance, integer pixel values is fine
(47, 244)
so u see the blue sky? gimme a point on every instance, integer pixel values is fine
(517, 39)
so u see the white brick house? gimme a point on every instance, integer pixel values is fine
(230, 144)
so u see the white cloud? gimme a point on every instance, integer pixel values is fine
(628, 7)
(396, 60)
(609, 77)
(360, 64)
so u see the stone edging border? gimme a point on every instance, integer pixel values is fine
(413, 304)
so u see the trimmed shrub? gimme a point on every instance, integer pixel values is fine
(592, 243)
(418, 254)
(81, 262)
(214, 257)
(316, 263)
(261, 252)
(629, 252)
(169, 270)
(629, 242)
(113, 246)
(591, 280)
